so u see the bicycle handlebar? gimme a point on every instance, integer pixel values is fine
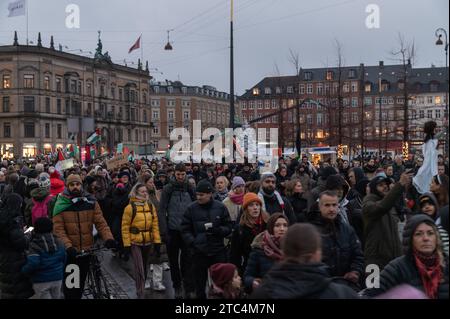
(91, 251)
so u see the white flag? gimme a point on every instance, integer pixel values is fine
(17, 8)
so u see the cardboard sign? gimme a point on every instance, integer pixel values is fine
(117, 161)
(63, 165)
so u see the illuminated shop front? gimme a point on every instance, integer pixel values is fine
(47, 148)
(29, 150)
(7, 150)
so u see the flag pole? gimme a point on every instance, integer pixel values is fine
(142, 49)
(26, 8)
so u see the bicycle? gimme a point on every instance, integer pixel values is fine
(95, 281)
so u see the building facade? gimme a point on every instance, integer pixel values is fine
(175, 105)
(350, 106)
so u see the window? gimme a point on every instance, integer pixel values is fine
(354, 86)
(429, 100)
(329, 75)
(185, 103)
(255, 91)
(434, 87)
(47, 130)
(384, 86)
(155, 103)
(145, 116)
(267, 104)
(28, 103)
(170, 128)
(186, 115)
(260, 105)
(170, 89)
(421, 114)
(355, 117)
(58, 84)
(156, 89)
(184, 90)
(354, 102)
(278, 90)
(46, 82)
(5, 104)
(59, 131)
(79, 87)
(352, 74)
(170, 115)
(400, 85)
(438, 114)
(319, 88)
(73, 86)
(319, 118)
(28, 81)
(346, 87)
(29, 129)
(170, 102)
(243, 105)
(307, 76)
(7, 130)
(309, 89)
(47, 105)
(267, 91)
(390, 100)
(367, 87)
(367, 115)
(58, 106)
(302, 89)
(429, 114)
(290, 89)
(113, 92)
(274, 104)
(155, 115)
(129, 135)
(400, 100)
(6, 81)
(367, 101)
(136, 135)
(156, 130)
(437, 100)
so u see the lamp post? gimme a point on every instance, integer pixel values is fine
(232, 111)
(439, 33)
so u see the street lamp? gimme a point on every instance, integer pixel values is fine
(439, 33)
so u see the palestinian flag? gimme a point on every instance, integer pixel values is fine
(94, 138)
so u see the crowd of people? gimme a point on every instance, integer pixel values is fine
(229, 230)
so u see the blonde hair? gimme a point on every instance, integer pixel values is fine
(225, 180)
(133, 192)
(290, 186)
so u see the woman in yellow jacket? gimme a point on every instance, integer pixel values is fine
(139, 231)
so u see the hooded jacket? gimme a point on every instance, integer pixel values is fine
(403, 270)
(46, 258)
(381, 227)
(289, 280)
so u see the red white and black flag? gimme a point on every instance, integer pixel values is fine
(136, 45)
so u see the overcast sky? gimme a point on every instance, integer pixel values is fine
(264, 32)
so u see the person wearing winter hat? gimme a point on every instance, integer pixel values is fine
(235, 198)
(75, 213)
(382, 241)
(324, 172)
(272, 200)
(252, 222)
(56, 184)
(423, 265)
(206, 222)
(46, 258)
(225, 282)
(430, 207)
(41, 201)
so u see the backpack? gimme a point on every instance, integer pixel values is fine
(40, 209)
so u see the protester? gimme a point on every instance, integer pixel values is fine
(225, 282)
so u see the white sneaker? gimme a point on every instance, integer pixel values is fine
(165, 266)
(159, 287)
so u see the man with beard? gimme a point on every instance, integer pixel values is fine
(161, 179)
(74, 215)
(272, 200)
(381, 220)
(175, 198)
(246, 173)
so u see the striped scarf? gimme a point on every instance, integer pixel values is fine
(261, 195)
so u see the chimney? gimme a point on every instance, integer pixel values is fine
(381, 64)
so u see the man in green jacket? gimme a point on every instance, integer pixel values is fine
(381, 220)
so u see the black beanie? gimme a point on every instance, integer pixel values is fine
(33, 174)
(377, 180)
(43, 225)
(204, 187)
(89, 180)
(328, 171)
(361, 185)
(334, 182)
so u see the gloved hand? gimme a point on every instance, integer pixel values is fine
(71, 252)
(111, 244)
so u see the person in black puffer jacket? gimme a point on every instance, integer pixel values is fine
(423, 266)
(354, 209)
(205, 224)
(13, 243)
(297, 198)
(301, 275)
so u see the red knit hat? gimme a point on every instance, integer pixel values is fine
(250, 198)
(222, 273)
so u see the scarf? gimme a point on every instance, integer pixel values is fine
(430, 272)
(221, 195)
(271, 246)
(66, 200)
(261, 195)
(237, 199)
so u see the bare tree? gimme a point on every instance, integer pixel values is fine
(404, 55)
(294, 59)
